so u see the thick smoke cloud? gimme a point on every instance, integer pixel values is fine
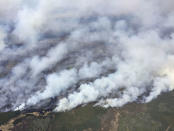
(2, 39)
(60, 54)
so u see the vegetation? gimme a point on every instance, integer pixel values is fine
(157, 115)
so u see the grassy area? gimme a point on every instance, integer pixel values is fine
(5, 117)
(157, 115)
(75, 120)
(78, 119)
(138, 122)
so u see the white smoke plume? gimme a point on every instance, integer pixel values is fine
(60, 54)
(2, 39)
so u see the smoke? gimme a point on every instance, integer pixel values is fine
(2, 39)
(61, 54)
(54, 55)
